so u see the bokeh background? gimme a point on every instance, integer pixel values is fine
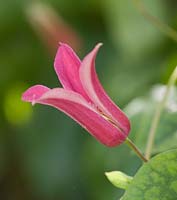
(44, 155)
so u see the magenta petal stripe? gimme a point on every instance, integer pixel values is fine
(75, 106)
(95, 91)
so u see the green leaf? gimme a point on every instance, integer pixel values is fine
(155, 180)
(141, 111)
(119, 179)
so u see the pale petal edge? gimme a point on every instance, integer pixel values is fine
(97, 94)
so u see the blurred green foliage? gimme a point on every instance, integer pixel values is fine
(16, 112)
(48, 156)
(141, 111)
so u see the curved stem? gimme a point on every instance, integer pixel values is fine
(135, 149)
(166, 29)
(158, 113)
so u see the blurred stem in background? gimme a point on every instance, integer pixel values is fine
(167, 30)
(158, 112)
(51, 27)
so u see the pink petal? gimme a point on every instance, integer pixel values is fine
(97, 94)
(67, 66)
(75, 106)
(34, 93)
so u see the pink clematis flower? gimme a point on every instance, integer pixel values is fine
(83, 97)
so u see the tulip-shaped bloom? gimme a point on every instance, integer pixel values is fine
(82, 97)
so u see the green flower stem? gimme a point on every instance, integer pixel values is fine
(135, 149)
(170, 32)
(158, 113)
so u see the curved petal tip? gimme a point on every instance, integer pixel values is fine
(34, 93)
(95, 50)
(99, 45)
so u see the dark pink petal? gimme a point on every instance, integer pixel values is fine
(98, 95)
(75, 106)
(67, 66)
